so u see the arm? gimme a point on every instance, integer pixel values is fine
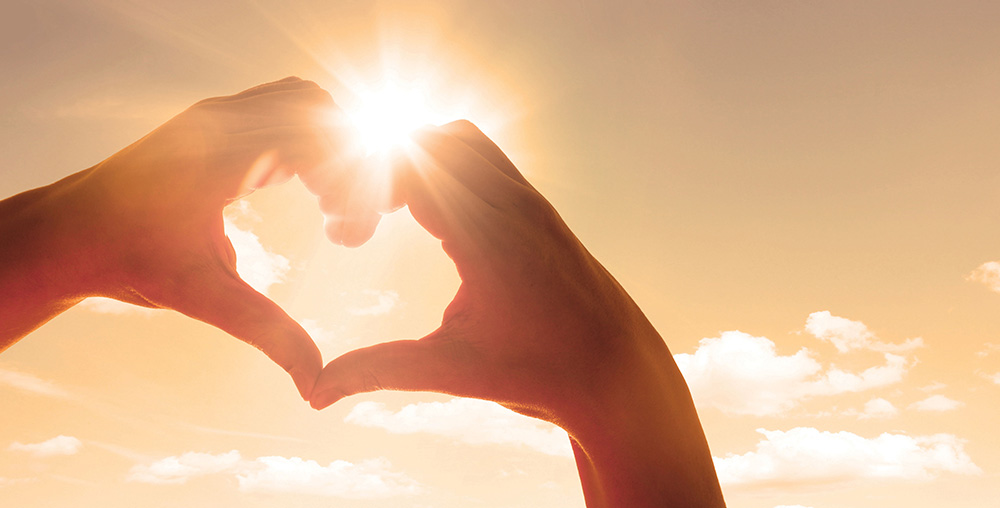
(145, 225)
(541, 327)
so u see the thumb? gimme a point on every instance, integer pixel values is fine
(408, 365)
(230, 304)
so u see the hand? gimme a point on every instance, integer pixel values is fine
(145, 226)
(539, 326)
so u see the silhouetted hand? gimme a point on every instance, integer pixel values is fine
(539, 326)
(145, 226)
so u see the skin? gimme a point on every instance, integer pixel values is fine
(145, 225)
(539, 326)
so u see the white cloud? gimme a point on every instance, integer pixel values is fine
(470, 421)
(988, 273)
(15, 481)
(933, 387)
(258, 266)
(742, 374)
(878, 408)
(995, 377)
(59, 445)
(384, 302)
(180, 469)
(807, 456)
(33, 384)
(273, 474)
(988, 348)
(847, 335)
(937, 403)
(366, 480)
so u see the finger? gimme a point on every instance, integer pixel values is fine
(272, 156)
(222, 299)
(466, 165)
(289, 83)
(351, 230)
(472, 136)
(408, 365)
(299, 106)
(444, 207)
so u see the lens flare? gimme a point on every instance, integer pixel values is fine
(385, 116)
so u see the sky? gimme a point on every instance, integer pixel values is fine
(802, 196)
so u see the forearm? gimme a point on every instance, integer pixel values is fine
(39, 277)
(642, 445)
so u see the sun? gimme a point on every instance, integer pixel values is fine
(384, 116)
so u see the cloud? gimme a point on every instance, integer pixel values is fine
(806, 456)
(988, 274)
(257, 265)
(878, 408)
(180, 469)
(988, 348)
(742, 374)
(15, 481)
(59, 445)
(366, 480)
(273, 474)
(32, 384)
(847, 335)
(470, 421)
(937, 403)
(995, 377)
(385, 301)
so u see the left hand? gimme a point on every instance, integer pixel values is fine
(147, 222)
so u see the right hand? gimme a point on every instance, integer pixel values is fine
(538, 324)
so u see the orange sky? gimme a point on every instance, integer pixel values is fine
(802, 196)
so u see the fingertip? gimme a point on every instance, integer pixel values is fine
(325, 399)
(351, 231)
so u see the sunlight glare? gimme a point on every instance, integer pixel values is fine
(385, 116)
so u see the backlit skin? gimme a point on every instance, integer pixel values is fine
(538, 324)
(145, 225)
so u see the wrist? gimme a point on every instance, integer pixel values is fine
(47, 256)
(641, 433)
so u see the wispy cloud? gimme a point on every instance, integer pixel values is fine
(471, 421)
(742, 374)
(367, 479)
(878, 408)
(4, 482)
(937, 403)
(988, 274)
(806, 456)
(33, 384)
(847, 335)
(179, 469)
(384, 302)
(256, 264)
(988, 349)
(59, 445)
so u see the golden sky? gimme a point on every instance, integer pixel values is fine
(802, 196)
